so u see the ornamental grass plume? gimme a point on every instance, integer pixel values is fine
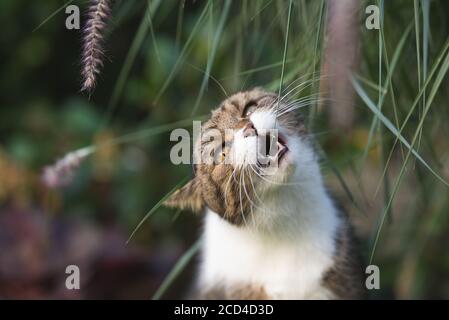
(61, 173)
(98, 15)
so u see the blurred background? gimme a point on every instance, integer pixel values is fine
(168, 62)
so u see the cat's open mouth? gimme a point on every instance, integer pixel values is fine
(275, 150)
(282, 147)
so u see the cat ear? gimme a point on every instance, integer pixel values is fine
(188, 197)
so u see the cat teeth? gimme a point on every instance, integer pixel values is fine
(281, 140)
(282, 150)
(282, 147)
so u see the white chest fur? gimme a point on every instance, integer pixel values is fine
(289, 262)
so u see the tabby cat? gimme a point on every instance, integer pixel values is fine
(270, 232)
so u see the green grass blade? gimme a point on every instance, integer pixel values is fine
(417, 99)
(129, 60)
(436, 85)
(370, 104)
(145, 133)
(156, 206)
(137, 135)
(426, 30)
(391, 68)
(284, 56)
(179, 23)
(261, 68)
(425, 44)
(182, 54)
(417, 38)
(258, 12)
(313, 109)
(418, 50)
(213, 52)
(177, 269)
(388, 84)
(369, 83)
(54, 13)
(153, 38)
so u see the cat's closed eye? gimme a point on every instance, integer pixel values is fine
(250, 107)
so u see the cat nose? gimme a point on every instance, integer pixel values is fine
(249, 130)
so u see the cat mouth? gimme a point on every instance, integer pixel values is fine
(281, 148)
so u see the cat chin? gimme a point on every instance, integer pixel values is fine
(283, 174)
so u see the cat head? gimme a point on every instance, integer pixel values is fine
(253, 145)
